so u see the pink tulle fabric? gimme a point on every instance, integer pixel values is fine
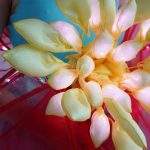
(23, 124)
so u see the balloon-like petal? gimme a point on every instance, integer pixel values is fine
(136, 79)
(94, 93)
(143, 11)
(76, 105)
(85, 65)
(54, 106)
(95, 18)
(69, 33)
(74, 10)
(125, 17)
(100, 128)
(121, 139)
(108, 13)
(115, 93)
(126, 122)
(143, 96)
(127, 51)
(62, 79)
(41, 35)
(33, 62)
(102, 45)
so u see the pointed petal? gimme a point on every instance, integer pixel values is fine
(75, 12)
(54, 106)
(127, 51)
(143, 96)
(94, 93)
(100, 128)
(113, 92)
(144, 28)
(76, 105)
(121, 139)
(136, 79)
(41, 35)
(69, 33)
(33, 62)
(102, 45)
(95, 17)
(62, 79)
(108, 13)
(85, 65)
(143, 11)
(126, 122)
(125, 17)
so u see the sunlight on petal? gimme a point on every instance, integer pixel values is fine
(121, 139)
(143, 96)
(127, 51)
(69, 33)
(100, 128)
(33, 62)
(76, 105)
(54, 106)
(118, 95)
(62, 79)
(126, 122)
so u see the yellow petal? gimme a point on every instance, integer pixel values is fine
(115, 93)
(136, 79)
(85, 65)
(33, 62)
(75, 105)
(102, 45)
(143, 96)
(62, 79)
(74, 10)
(41, 35)
(108, 13)
(94, 93)
(125, 17)
(127, 51)
(146, 65)
(102, 69)
(121, 139)
(69, 33)
(54, 106)
(95, 17)
(126, 122)
(143, 11)
(100, 128)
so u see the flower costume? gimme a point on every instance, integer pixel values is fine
(97, 77)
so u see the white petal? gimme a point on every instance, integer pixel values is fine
(127, 51)
(125, 17)
(102, 45)
(136, 79)
(69, 33)
(54, 106)
(95, 18)
(143, 96)
(100, 128)
(122, 140)
(62, 78)
(94, 93)
(85, 65)
(115, 93)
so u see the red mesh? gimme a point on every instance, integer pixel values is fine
(24, 126)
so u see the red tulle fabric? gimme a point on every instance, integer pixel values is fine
(23, 124)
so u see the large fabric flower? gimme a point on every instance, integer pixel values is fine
(97, 75)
